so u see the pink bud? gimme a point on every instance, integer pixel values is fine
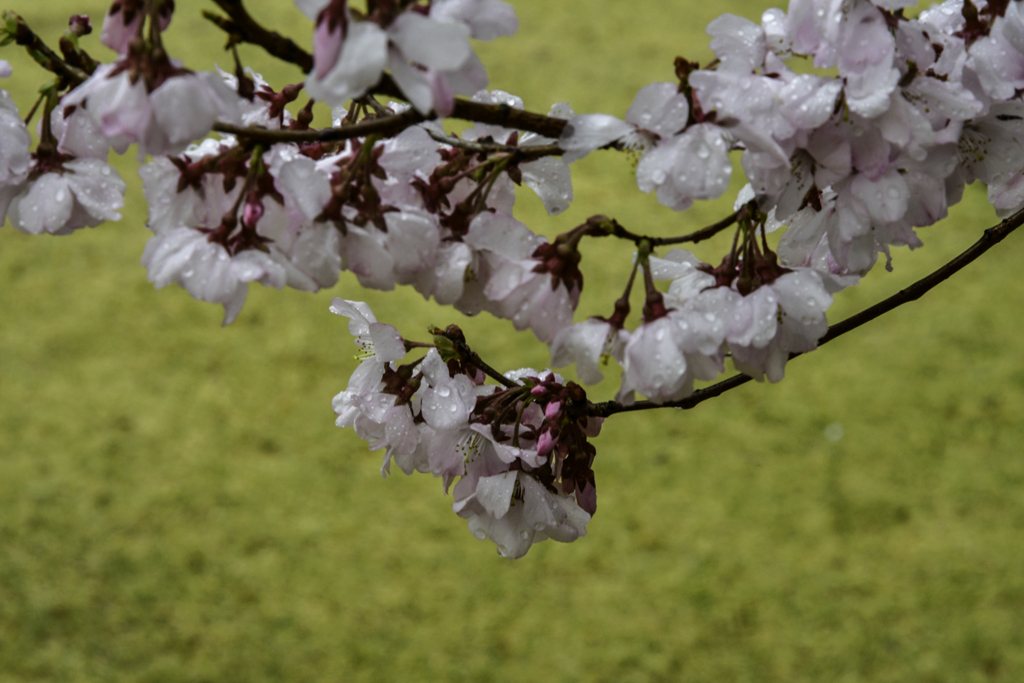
(552, 410)
(538, 391)
(545, 443)
(331, 27)
(252, 213)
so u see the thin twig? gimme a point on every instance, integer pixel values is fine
(43, 55)
(619, 231)
(989, 239)
(699, 235)
(241, 24)
(474, 358)
(520, 153)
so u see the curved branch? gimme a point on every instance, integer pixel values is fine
(989, 239)
(241, 25)
(698, 235)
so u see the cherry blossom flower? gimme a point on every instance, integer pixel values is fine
(208, 271)
(61, 196)
(515, 511)
(429, 57)
(124, 19)
(589, 344)
(15, 142)
(162, 120)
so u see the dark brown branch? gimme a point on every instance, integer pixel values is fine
(241, 25)
(388, 125)
(391, 125)
(494, 114)
(989, 239)
(508, 117)
(519, 153)
(699, 235)
(458, 341)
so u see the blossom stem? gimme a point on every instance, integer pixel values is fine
(241, 25)
(472, 357)
(989, 239)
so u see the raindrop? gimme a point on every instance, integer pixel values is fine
(834, 432)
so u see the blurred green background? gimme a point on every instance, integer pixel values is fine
(177, 505)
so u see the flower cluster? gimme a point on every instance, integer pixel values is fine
(853, 163)
(517, 454)
(844, 166)
(407, 210)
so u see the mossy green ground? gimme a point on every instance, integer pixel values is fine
(177, 505)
